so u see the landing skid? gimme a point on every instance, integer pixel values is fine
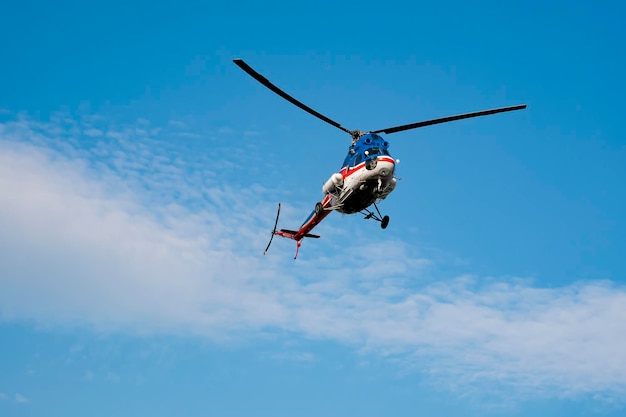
(384, 220)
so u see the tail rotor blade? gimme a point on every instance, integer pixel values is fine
(273, 231)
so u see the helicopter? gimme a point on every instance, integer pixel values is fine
(366, 176)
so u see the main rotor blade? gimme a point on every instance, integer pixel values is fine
(449, 119)
(247, 68)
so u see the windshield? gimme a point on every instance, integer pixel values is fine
(376, 151)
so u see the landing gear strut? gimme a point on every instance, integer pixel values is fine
(384, 220)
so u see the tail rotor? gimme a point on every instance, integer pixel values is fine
(273, 231)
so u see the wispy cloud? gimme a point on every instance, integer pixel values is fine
(291, 356)
(19, 398)
(93, 132)
(118, 235)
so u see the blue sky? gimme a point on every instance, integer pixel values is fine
(140, 171)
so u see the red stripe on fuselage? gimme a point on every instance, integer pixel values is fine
(346, 171)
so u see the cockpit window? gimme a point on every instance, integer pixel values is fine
(376, 151)
(355, 158)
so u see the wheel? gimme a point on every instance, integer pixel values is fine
(318, 208)
(384, 222)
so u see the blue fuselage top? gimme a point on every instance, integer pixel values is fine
(367, 147)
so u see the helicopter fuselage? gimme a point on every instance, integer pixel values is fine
(367, 176)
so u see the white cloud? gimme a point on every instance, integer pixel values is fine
(93, 132)
(177, 124)
(21, 399)
(122, 245)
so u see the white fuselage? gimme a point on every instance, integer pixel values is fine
(356, 188)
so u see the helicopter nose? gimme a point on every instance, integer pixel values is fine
(385, 166)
